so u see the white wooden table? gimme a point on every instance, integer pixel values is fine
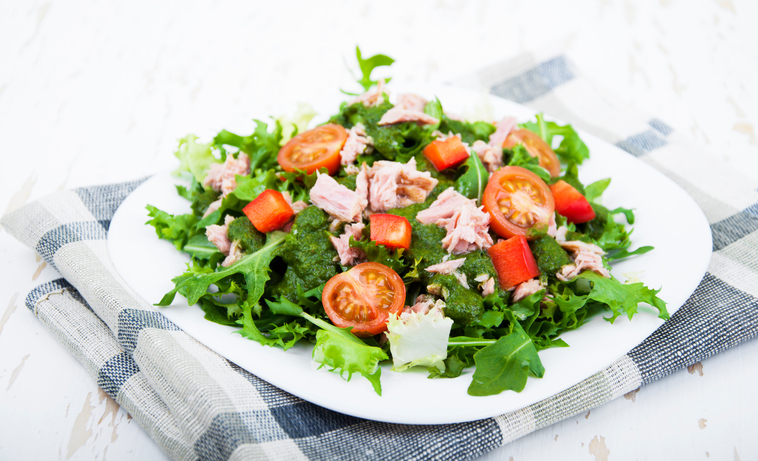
(98, 92)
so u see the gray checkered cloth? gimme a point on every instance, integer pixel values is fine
(196, 404)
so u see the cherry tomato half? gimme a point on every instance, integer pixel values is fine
(536, 147)
(314, 149)
(363, 298)
(517, 201)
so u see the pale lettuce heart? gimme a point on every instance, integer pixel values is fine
(419, 339)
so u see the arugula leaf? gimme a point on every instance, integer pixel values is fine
(194, 157)
(368, 65)
(345, 354)
(625, 254)
(434, 109)
(622, 297)
(381, 254)
(198, 246)
(596, 189)
(176, 228)
(473, 177)
(520, 157)
(254, 267)
(571, 148)
(261, 146)
(505, 364)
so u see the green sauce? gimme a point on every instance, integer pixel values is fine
(308, 253)
(549, 255)
(241, 229)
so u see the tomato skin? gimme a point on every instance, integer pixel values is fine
(525, 198)
(391, 231)
(269, 211)
(363, 298)
(445, 154)
(513, 261)
(536, 147)
(571, 204)
(314, 149)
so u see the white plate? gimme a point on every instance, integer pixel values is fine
(667, 218)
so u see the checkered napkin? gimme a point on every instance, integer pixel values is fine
(196, 404)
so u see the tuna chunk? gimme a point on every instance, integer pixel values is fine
(586, 256)
(336, 199)
(467, 226)
(215, 205)
(217, 235)
(411, 101)
(552, 230)
(399, 115)
(491, 153)
(560, 234)
(373, 97)
(235, 254)
(395, 185)
(220, 176)
(525, 289)
(447, 267)
(491, 157)
(424, 303)
(357, 143)
(502, 129)
(349, 256)
(486, 284)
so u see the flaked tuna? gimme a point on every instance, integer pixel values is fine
(424, 303)
(466, 224)
(221, 176)
(337, 200)
(491, 157)
(217, 235)
(399, 115)
(411, 101)
(371, 98)
(394, 185)
(586, 256)
(446, 267)
(491, 153)
(486, 284)
(349, 256)
(235, 254)
(502, 129)
(525, 289)
(357, 143)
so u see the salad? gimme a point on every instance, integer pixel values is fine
(398, 231)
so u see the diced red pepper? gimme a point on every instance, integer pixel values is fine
(445, 154)
(513, 261)
(390, 230)
(571, 204)
(269, 211)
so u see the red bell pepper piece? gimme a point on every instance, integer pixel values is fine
(269, 211)
(513, 261)
(390, 230)
(445, 154)
(570, 203)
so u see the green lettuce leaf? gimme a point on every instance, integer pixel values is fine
(571, 148)
(175, 228)
(345, 354)
(194, 157)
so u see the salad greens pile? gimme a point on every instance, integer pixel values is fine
(273, 293)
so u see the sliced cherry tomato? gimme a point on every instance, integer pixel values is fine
(513, 261)
(363, 298)
(571, 204)
(445, 154)
(269, 211)
(517, 201)
(314, 149)
(391, 231)
(536, 147)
